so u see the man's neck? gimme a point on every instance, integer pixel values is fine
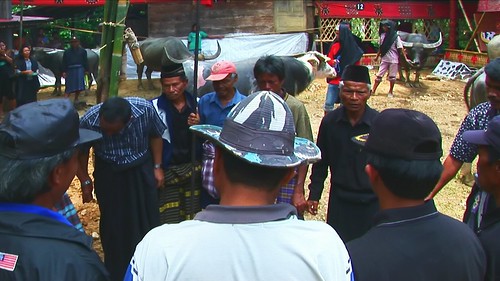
(240, 195)
(388, 200)
(355, 116)
(225, 99)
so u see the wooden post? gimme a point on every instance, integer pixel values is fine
(453, 25)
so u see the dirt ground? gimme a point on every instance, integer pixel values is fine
(441, 100)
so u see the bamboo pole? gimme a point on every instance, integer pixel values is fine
(475, 32)
(106, 51)
(467, 21)
(116, 58)
(195, 93)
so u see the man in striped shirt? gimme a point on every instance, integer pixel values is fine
(127, 172)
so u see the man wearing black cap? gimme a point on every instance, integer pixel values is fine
(410, 239)
(74, 67)
(462, 151)
(247, 236)
(488, 169)
(177, 109)
(39, 145)
(352, 202)
(127, 173)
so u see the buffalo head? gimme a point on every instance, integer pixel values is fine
(418, 48)
(178, 54)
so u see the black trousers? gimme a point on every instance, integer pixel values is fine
(350, 218)
(127, 200)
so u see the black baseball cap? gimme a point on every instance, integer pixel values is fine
(404, 134)
(489, 137)
(42, 129)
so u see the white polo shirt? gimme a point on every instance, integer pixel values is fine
(242, 243)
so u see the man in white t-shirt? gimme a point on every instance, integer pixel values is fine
(247, 236)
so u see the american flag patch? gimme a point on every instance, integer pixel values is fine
(8, 261)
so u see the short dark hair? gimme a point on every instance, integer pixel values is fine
(115, 109)
(409, 179)
(270, 64)
(240, 171)
(23, 180)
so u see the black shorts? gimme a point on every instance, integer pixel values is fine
(6, 88)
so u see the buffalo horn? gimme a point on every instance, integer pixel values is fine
(175, 60)
(214, 56)
(435, 44)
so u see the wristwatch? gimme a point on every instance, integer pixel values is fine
(157, 166)
(87, 182)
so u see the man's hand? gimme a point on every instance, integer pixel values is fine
(87, 188)
(193, 119)
(299, 202)
(312, 207)
(160, 177)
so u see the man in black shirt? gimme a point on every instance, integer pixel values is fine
(352, 202)
(411, 240)
(177, 109)
(488, 168)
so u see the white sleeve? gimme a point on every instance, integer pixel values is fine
(148, 262)
(334, 261)
(399, 43)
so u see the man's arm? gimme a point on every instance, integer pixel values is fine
(450, 168)
(298, 199)
(82, 173)
(156, 144)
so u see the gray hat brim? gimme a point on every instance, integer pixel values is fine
(87, 136)
(305, 151)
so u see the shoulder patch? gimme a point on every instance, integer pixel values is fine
(8, 261)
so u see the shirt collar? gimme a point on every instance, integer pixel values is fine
(490, 218)
(246, 214)
(163, 102)
(367, 118)
(233, 101)
(408, 214)
(33, 209)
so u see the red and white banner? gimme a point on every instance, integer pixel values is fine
(388, 10)
(208, 3)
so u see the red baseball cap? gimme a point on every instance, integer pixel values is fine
(220, 70)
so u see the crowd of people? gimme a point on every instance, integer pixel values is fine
(249, 163)
(19, 82)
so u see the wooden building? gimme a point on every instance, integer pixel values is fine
(230, 16)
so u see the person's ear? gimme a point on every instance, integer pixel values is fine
(372, 174)
(288, 177)
(57, 175)
(497, 166)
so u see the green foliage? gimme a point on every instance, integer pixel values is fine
(85, 26)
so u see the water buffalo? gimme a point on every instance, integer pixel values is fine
(301, 70)
(157, 52)
(52, 59)
(417, 49)
(475, 89)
